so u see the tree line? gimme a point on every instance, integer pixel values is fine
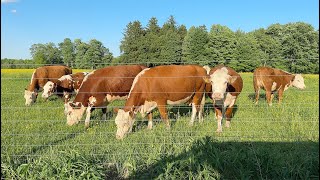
(293, 47)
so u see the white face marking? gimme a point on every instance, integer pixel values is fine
(48, 89)
(274, 86)
(30, 97)
(74, 115)
(124, 123)
(229, 101)
(182, 101)
(219, 81)
(92, 100)
(298, 82)
(65, 77)
(136, 79)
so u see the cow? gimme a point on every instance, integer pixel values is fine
(159, 86)
(225, 85)
(67, 84)
(274, 80)
(99, 88)
(40, 77)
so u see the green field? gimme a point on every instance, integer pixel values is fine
(277, 142)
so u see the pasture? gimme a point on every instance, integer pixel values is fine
(277, 142)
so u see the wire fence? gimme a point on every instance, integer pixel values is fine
(41, 130)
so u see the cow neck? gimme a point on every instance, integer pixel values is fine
(82, 98)
(133, 103)
(33, 84)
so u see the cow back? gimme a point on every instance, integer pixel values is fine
(112, 80)
(173, 82)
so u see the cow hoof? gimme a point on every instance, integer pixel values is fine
(191, 124)
(227, 124)
(86, 125)
(219, 131)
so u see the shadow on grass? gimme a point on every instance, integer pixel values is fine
(210, 159)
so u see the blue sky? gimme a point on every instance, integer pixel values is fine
(27, 22)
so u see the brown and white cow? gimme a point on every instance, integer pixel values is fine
(99, 88)
(226, 85)
(67, 84)
(40, 77)
(275, 80)
(159, 86)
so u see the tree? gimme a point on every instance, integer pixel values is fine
(152, 43)
(247, 54)
(132, 46)
(221, 45)
(80, 51)
(45, 53)
(194, 46)
(38, 52)
(67, 51)
(171, 38)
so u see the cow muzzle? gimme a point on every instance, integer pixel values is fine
(217, 96)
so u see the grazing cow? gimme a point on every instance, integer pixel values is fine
(67, 84)
(40, 77)
(275, 80)
(159, 86)
(226, 85)
(99, 88)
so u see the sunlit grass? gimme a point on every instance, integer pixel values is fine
(277, 142)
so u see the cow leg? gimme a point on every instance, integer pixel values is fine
(280, 94)
(228, 116)
(104, 114)
(150, 120)
(218, 113)
(88, 114)
(257, 93)
(269, 99)
(200, 115)
(193, 115)
(163, 113)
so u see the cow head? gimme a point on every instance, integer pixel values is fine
(48, 89)
(124, 122)
(298, 82)
(30, 97)
(74, 112)
(219, 81)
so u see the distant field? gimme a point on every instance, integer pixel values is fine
(277, 142)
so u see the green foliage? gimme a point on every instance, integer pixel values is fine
(221, 45)
(293, 47)
(67, 51)
(194, 46)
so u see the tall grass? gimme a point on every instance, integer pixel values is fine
(277, 142)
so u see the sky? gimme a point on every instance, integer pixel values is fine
(27, 22)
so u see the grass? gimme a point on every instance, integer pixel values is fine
(277, 142)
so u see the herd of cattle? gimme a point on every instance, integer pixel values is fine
(146, 88)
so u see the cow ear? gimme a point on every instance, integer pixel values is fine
(115, 110)
(232, 79)
(206, 79)
(71, 104)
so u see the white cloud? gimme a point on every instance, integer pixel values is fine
(8, 1)
(13, 10)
